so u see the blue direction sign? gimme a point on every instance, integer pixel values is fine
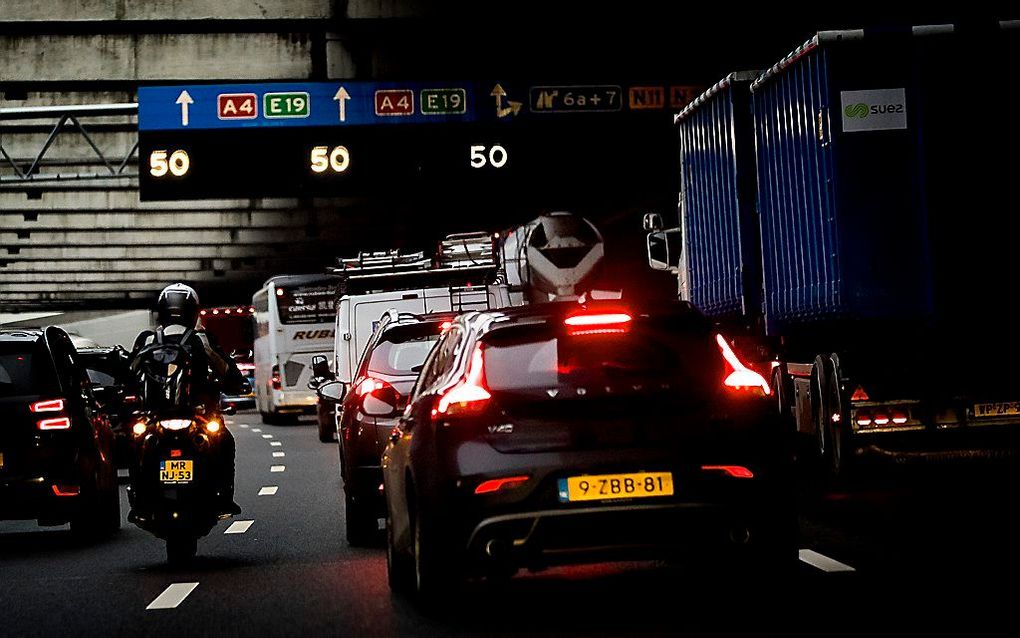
(288, 104)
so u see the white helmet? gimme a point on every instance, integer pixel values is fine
(177, 305)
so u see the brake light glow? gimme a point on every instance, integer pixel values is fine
(66, 490)
(52, 405)
(741, 377)
(275, 380)
(495, 485)
(736, 471)
(60, 423)
(470, 393)
(595, 324)
(370, 385)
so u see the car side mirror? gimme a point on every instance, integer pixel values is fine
(320, 368)
(664, 248)
(332, 391)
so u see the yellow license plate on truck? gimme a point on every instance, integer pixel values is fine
(176, 471)
(601, 487)
(1010, 408)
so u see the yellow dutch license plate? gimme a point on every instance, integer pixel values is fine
(600, 487)
(176, 471)
(1009, 408)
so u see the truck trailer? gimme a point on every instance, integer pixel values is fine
(850, 215)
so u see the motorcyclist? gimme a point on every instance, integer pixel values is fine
(177, 317)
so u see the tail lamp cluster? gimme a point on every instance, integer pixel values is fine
(881, 417)
(52, 415)
(275, 381)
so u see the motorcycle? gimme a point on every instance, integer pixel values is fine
(175, 483)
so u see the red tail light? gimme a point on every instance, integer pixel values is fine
(736, 471)
(600, 323)
(66, 490)
(275, 379)
(741, 377)
(495, 485)
(51, 405)
(379, 389)
(59, 423)
(469, 395)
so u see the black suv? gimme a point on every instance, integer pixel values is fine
(387, 371)
(56, 461)
(567, 433)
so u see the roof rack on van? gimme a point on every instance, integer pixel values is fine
(464, 258)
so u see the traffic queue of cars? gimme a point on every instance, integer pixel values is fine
(530, 435)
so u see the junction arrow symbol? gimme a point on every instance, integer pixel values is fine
(501, 111)
(184, 99)
(341, 97)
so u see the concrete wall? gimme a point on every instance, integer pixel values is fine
(159, 56)
(101, 10)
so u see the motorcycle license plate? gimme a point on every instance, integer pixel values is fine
(176, 471)
(615, 486)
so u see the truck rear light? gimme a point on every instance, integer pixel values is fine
(899, 418)
(740, 377)
(859, 395)
(469, 395)
(863, 418)
(275, 380)
(59, 423)
(495, 485)
(50, 405)
(881, 418)
(597, 323)
(736, 471)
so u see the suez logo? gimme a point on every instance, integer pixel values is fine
(862, 110)
(313, 334)
(874, 110)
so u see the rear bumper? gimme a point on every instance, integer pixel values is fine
(34, 499)
(957, 445)
(295, 401)
(620, 532)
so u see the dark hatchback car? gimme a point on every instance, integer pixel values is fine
(369, 412)
(566, 433)
(56, 461)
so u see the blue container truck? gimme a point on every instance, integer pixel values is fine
(852, 212)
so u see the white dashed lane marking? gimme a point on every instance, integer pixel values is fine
(244, 425)
(278, 468)
(172, 596)
(269, 490)
(256, 429)
(823, 562)
(267, 436)
(275, 443)
(238, 527)
(279, 455)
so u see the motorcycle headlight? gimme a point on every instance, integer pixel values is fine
(175, 424)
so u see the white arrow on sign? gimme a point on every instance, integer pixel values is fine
(341, 97)
(184, 99)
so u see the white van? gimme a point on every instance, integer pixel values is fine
(358, 316)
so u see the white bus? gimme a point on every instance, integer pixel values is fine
(294, 319)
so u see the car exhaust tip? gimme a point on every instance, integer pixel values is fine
(740, 535)
(495, 548)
